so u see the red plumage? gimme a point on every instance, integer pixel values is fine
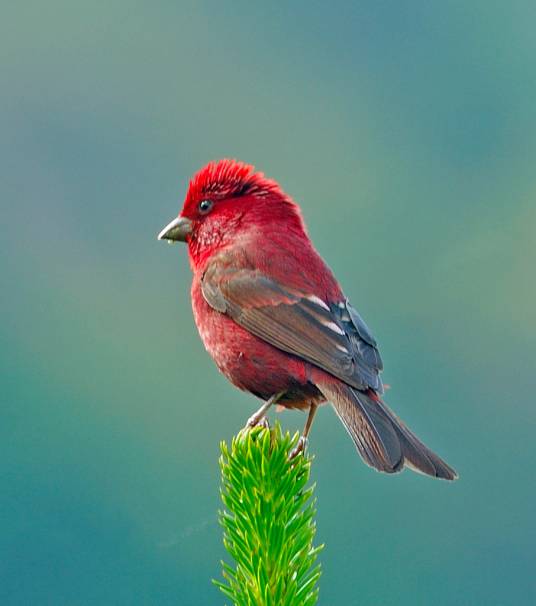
(274, 318)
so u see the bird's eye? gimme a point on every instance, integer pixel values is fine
(205, 206)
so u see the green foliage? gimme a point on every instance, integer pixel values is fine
(268, 521)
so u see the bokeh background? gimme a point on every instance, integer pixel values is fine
(407, 132)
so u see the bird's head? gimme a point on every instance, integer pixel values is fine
(226, 202)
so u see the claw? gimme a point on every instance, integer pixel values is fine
(264, 422)
(299, 448)
(256, 421)
(259, 418)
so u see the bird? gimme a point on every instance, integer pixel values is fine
(275, 320)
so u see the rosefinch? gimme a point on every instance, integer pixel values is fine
(275, 320)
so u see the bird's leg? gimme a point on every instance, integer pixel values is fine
(303, 441)
(260, 416)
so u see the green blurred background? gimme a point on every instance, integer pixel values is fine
(407, 132)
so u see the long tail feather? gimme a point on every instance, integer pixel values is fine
(383, 441)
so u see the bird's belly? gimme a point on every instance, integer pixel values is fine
(250, 363)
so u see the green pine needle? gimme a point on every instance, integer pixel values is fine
(268, 521)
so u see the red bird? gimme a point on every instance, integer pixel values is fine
(275, 320)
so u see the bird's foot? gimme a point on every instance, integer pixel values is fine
(259, 418)
(257, 421)
(299, 448)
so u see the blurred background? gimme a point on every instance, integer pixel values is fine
(407, 133)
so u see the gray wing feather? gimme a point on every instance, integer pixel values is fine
(333, 337)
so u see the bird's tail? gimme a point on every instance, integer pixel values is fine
(383, 441)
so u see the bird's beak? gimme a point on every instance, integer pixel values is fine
(177, 230)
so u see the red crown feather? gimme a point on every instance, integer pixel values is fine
(230, 178)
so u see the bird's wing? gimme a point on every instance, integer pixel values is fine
(330, 335)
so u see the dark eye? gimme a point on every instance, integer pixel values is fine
(205, 206)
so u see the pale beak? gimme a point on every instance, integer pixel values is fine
(177, 230)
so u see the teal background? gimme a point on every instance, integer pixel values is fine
(407, 132)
